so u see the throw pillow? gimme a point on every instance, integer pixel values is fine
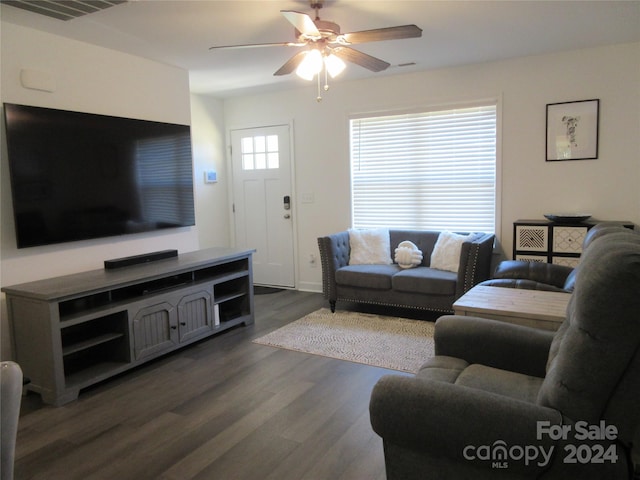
(446, 252)
(370, 247)
(407, 255)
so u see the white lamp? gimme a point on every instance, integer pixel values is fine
(311, 65)
(334, 65)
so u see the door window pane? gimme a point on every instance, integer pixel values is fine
(260, 152)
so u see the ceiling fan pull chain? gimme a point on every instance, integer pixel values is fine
(319, 97)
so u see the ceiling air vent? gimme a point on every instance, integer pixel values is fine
(63, 10)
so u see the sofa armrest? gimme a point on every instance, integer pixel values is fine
(544, 273)
(334, 253)
(442, 419)
(494, 343)
(521, 284)
(475, 262)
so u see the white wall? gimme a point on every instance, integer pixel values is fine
(208, 138)
(607, 187)
(88, 79)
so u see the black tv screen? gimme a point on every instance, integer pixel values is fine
(77, 176)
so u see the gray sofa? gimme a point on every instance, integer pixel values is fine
(421, 287)
(500, 386)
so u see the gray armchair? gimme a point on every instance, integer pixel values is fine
(533, 276)
(507, 401)
(545, 276)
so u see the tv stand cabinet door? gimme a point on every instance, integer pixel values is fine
(155, 330)
(195, 316)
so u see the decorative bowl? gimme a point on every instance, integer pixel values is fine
(567, 217)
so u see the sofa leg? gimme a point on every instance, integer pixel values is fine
(332, 304)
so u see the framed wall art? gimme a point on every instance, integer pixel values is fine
(572, 130)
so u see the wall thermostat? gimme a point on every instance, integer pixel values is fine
(210, 176)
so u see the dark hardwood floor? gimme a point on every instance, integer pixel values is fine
(224, 408)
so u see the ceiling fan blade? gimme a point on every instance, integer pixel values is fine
(367, 61)
(255, 45)
(378, 34)
(303, 22)
(291, 64)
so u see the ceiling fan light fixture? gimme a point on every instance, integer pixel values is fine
(334, 65)
(311, 65)
(327, 47)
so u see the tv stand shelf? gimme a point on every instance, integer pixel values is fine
(73, 331)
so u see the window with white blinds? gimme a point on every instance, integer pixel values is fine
(165, 179)
(433, 170)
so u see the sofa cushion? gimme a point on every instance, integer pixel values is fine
(369, 247)
(425, 280)
(503, 382)
(442, 368)
(407, 255)
(446, 252)
(367, 276)
(424, 240)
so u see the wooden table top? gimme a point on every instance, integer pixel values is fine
(514, 302)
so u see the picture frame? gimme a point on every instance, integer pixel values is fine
(572, 130)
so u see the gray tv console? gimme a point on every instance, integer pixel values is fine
(73, 331)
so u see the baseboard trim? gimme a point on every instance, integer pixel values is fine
(313, 287)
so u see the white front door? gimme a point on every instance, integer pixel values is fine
(263, 206)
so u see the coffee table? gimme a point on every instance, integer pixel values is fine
(532, 308)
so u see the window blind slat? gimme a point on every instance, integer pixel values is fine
(430, 170)
(156, 175)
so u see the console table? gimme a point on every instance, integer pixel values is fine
(73, 331)
(532, 308)
(552, 242)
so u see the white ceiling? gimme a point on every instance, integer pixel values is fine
(180, 32)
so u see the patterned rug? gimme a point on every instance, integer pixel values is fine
(387, 342)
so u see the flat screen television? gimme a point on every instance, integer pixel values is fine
(77, 176)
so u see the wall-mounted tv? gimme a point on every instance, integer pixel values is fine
(77, 176)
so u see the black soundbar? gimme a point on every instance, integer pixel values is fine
(138, 259)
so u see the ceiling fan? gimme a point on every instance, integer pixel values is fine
(327, 47)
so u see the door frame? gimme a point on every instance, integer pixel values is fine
(292, 171)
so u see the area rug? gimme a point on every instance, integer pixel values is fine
(387, 342)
